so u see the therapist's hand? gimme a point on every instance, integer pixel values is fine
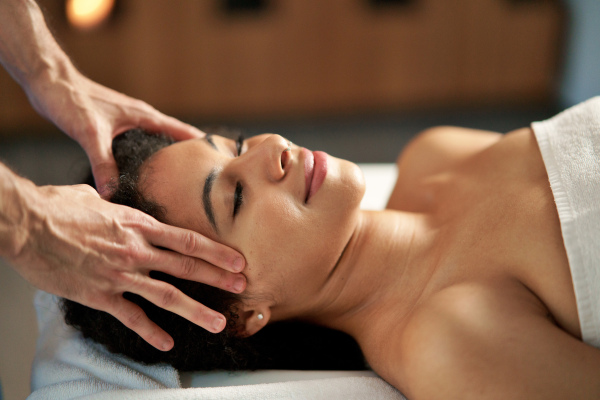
(85, 110)
(93, 115)
(72, 243)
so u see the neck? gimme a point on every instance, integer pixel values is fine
(387, 259)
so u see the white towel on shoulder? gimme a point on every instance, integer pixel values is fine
(570, 147)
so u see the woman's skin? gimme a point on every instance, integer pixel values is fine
(461, 289)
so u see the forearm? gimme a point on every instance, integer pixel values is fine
(27, 48)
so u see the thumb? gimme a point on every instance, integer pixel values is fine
(105, 175)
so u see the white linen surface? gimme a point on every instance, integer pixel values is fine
(67, 366)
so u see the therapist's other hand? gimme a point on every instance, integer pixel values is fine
(93, 115)
(78, 246)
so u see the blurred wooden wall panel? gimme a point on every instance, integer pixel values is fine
(189, 58)
(511, 49)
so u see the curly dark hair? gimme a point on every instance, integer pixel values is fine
(280, 345)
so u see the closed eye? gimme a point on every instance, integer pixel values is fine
(238, 198)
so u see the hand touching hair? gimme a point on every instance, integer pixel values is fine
(282, 345)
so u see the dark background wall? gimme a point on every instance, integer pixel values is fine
(203, 61)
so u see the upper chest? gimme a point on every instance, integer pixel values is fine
(502, 221)
(497, 218)
(451, 324)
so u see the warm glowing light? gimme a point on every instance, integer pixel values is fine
(87, 14)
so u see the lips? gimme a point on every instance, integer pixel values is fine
(315, 171)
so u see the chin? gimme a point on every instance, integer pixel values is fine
(351, 181)
(341, 198)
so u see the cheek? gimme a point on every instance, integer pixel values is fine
(286, 244)
(275, 235)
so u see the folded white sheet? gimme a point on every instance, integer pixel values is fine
(67, 366)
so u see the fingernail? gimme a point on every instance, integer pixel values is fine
(219, 324)
(238, 264)
(167, 345)
(239, 283)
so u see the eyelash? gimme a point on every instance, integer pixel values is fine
(238, 198)
(239, 144)
(238, 195)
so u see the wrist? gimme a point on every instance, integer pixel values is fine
(52, 91)
(50, 67)
(49, 72)
(16, 196)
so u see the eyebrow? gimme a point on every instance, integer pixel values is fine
(209, 139)
(208, 208)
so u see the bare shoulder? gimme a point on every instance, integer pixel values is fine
(483, 342)
(432, 152)
(451, 143)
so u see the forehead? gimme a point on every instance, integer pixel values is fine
(174, 178)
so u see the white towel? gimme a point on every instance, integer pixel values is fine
(67, 366)
(323, 389)
(570, 147)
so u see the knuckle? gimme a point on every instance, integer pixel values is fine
(170, 296)
(85, 188)
(146, 107)
(188, 267)
(142, 222)
(142, 257)
(193, 242)
(130, 257)
(135, 219)
(134, 253)
(128, 281)
(222, 280)
(114, 278)
(135, 318)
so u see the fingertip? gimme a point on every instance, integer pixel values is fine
(104, 176)
(238, 264)
(167, 344)
(218, 324)
(239, 284)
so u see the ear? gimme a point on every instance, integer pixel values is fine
(254, 318)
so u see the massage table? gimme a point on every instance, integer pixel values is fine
(66, 366)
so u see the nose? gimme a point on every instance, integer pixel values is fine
(271, 157)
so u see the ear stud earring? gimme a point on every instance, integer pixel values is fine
(260, 316)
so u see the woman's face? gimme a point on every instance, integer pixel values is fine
(290, 213)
